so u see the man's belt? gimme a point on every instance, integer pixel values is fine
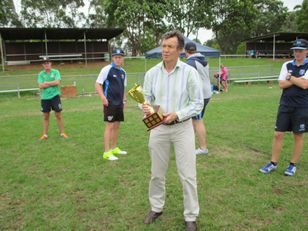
(176, 122)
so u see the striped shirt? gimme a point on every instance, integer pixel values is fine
(178, 91)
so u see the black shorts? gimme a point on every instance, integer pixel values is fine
(293, 119)
(201, 114)
(54, 104)
(113, 113)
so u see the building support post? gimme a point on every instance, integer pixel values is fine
(2, 52)
(85, 48)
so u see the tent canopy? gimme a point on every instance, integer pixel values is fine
(205, 50)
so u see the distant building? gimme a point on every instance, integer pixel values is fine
(28, 45)
(275, 45)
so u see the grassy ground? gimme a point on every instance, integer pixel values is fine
(66, 185)
(84, 77)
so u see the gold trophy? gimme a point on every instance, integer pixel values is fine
(156, 117)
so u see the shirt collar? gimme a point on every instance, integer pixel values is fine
(177, 65)
(294, 62)
(113, 65)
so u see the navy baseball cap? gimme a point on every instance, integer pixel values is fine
(190, 46)
(117, 51)
(300, 44)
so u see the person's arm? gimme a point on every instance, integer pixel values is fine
(283, 82)
(195, 103)
(40, 81)
(125, 84)
(49, 84)
(301, 82)
(99, 90)
(147, 86)
(100, 81)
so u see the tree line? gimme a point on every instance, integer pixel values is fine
(144, 21)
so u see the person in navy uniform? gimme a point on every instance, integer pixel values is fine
(293, 109)
(110, 86)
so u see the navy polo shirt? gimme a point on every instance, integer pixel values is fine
(294, 96)
(113, 81)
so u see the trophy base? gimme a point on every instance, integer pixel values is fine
(153, 120)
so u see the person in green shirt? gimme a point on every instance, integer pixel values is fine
(49, 81)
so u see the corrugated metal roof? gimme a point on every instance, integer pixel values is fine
(279, 36)
(59, 33)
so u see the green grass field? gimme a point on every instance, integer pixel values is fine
(66, 185)
(84, 77)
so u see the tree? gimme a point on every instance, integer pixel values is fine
(290, 22)
(8, 15)
(141, 20)
(97, 14)
(271, 16)
(212, 43)
(302, 17)
(188, 15)
(232, 23)
(51, 13)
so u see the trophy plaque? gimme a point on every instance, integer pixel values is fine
(156, 117)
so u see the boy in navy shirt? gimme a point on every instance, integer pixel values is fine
(293, 109)
(110, 86)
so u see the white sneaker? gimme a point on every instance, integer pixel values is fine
(109, 156)
(113, 157)
(118, 151)
(200, 151)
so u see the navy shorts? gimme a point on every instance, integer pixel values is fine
(53, 103)
(201, 114)
(293, 119)
(113, 113)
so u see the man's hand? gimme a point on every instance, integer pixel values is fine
(170, 117)
(147, 110)
(44, 85)
(105, 101)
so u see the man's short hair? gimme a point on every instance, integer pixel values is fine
(175, 33)
(191, 47)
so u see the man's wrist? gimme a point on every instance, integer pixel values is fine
(289, 77)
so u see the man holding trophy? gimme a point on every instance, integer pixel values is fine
(174, 86)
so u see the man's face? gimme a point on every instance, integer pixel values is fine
(170, 50)
(300, 54)
(47, 65)
(118, 60)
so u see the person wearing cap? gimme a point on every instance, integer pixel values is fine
(293, 109)
(49, 82)
(110, 86)
(198, 61)
(174, 86)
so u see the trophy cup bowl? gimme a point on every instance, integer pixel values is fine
(156, 117)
